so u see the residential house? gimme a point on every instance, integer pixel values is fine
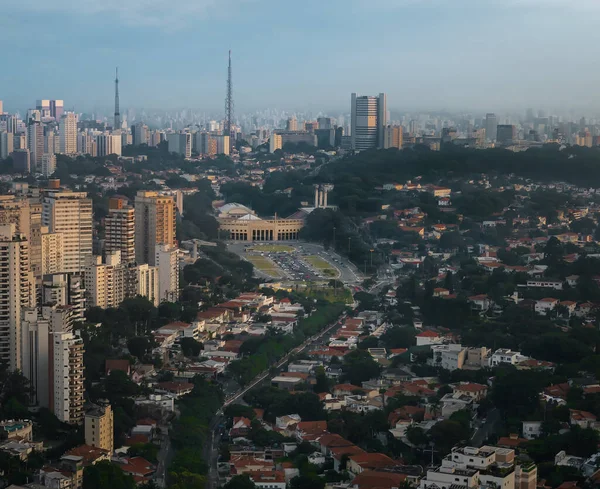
(545, 306)
(428, 337)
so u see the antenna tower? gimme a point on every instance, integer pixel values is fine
(228, 102)
(117, 123)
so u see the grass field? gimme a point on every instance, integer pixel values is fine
(322, 265)
(273, 248)
(265, 266)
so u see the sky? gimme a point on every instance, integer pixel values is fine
(308, 54)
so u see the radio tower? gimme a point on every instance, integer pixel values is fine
(117, 123)
(228, 103)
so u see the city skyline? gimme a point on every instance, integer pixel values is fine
(427, 54)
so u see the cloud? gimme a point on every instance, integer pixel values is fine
(180, 13)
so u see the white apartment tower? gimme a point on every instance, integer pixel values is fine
(17, 291)
(167, 261)
(48, 164)
(368, 119)
(66, 371)
(108, 144)
(70, 214)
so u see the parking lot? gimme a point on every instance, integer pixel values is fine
(301, 262)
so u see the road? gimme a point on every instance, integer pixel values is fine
(488, 428)
(211, 449)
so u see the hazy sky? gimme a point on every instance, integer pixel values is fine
(429, 54)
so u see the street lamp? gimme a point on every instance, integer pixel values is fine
(334, 238)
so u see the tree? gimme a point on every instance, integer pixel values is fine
(138, 346)
(417, 436)
(240, 482)
(449, 282)
(359, 366)
(308, 481)
(106, 474)
(190, 347)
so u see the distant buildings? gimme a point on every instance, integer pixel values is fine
(99, 423)
(392, 137)
(68, 133)
(506, 134)
(368, 119)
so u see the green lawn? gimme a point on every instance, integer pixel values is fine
(326, 268)
(272, 248)
(265, 265)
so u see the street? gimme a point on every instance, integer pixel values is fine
(488, 428)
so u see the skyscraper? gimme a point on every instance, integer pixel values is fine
(291, 124)
(6, 144)
(506, 133)
(68, 133)
(120, 229)
(70, 213)
(167, 261)
(154, 224)
(108, 144)
(18, 292)
(491, 126)
(368, 118)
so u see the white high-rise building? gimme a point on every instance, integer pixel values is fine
(108, 144)
(48, 164)
(86, 144)
(17, 291)
(167, 261)
(35, 143)
(68, 133)
(66, 371)
(139, 133)
(368, 118)
(70, 213)
(34, 337)
(64, 289)
(145, 283)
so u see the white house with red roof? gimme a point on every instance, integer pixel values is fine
(546, 305)
(428, 337)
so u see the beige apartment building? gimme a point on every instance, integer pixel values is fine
(392, 137)
(17, 291)
(52, 252)
(70, 213)
(155, 219)
(99, 422)
(105, 282)
(119, 228)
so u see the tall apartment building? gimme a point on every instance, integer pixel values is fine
(143, 280)
(491, 126)
(99, 424)
(17, 291)
(7, 144)
(64, 289)
(275, 142)
(52, 252)
(223, 145)
(139, 133)
(205, 143)
(393, 137)
(325, 123)
(108, 144)
(368, 119)
(48, 164)
(16, 210)
(35, 142)
(155, 218)
(70, 213)
(36, 327)
(105, 282)
(67, 374)
(86, 144)
(119, 228)
(167, 261)
(22, 160)
(68, 133)
(35, 241)
(180, 143)
(507, 133)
